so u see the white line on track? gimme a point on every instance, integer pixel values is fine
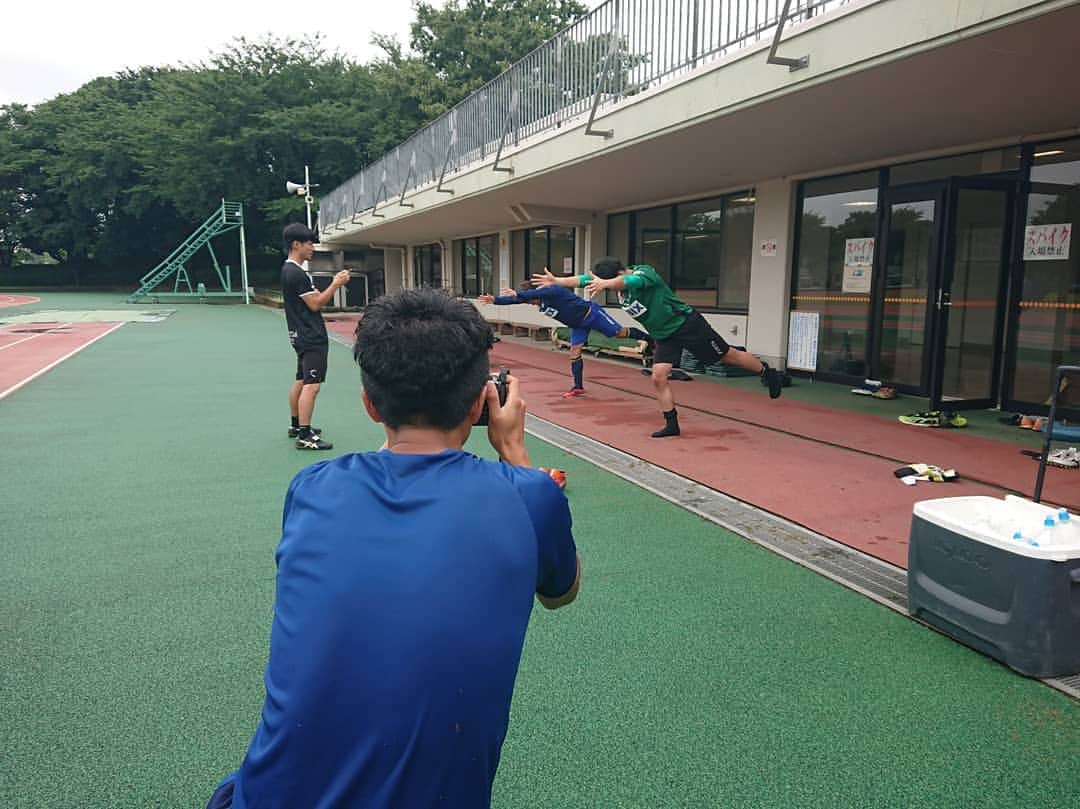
(53, 364)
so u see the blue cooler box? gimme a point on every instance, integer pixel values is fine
(1013, 600)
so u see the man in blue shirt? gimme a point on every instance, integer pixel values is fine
(571, 310)
(405, 583)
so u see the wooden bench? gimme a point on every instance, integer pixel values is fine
(598, 344)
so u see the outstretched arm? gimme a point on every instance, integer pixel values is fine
(547, 279)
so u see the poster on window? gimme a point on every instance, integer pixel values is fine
(858, 264)
(1047, 242)
(803, 340)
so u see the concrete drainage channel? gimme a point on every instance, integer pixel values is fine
(884, 583)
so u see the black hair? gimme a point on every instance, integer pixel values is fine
(524, 285)
(423, 357)
(607, 267)
(295, 232)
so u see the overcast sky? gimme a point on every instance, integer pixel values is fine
(56, 46)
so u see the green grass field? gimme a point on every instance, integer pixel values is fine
(143, 482)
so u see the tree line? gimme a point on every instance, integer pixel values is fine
(109, 178)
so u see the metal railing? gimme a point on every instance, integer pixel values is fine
(620, 49)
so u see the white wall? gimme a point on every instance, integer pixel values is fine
(770, 275)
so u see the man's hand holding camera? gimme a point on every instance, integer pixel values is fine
(506, 422)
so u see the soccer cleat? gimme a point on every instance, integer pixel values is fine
(933, 418)
(573, 393)
(1066, 458)
(773, 379)
(294, 432)
(313, 441)
(679, 375)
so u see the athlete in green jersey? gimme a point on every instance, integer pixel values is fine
(674, 325)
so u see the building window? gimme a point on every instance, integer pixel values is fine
(702, 249)
(652, 240)
(551, 247)
(1048, 325)
(836, 214)
(713, 248)
(477, 258)
(996, 162)
(427, 266)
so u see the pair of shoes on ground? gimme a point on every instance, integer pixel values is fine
(1066, 458)
(878, 393)
(573, 393)
(312, 441)
(1035, 423)
(934, 418)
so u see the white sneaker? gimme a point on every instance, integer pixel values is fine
(1067, 458)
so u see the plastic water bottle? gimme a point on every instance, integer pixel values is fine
(1067, 531)
(1020, 538)
(1048, 534)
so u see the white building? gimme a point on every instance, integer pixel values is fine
(909, 192)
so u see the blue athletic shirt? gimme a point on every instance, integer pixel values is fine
(404, 586)
(555, 302)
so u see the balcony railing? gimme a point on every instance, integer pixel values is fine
(620, 49)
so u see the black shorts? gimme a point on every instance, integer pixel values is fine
(311, 365)
(697, 337)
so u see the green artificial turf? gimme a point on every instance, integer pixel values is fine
(143, 481)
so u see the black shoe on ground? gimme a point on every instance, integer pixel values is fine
(313, 441)
(679, 375)
(668, 430)
(773, 379)
(294, 432)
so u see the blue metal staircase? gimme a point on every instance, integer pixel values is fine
(229, 217)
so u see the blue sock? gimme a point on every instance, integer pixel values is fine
(575, 368)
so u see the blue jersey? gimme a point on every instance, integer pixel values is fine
(556, 302)
(404, 586)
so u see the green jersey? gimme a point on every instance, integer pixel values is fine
(650, 301)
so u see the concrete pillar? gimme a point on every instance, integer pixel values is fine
(770, 271)
(392, 269)
(447, 264)
(503, 274)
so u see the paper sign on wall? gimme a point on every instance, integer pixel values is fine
(768, 248)
(803, 340)
(1047, 242)
(568, 264)
(858, 265)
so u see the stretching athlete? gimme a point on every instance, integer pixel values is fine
(571, 310)
(673, 324)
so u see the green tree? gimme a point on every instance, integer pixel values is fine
(468, 44)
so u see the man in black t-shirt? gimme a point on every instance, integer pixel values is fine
(307, 332)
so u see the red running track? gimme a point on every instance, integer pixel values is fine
(829, 470)
(27, 350)
(17, 300)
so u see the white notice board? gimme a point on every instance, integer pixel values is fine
(802, 340)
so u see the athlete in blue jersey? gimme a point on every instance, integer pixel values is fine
(405, 583)
(571, 310)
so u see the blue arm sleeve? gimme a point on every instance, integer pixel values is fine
(556, 551)
(529, 294)
(503, 300)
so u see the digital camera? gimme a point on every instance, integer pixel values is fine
(501, 387)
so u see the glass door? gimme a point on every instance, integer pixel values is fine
(910, 278)
(968, 304)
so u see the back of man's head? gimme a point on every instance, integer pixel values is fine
(423, 357)
(607, 267)
(295, 232)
